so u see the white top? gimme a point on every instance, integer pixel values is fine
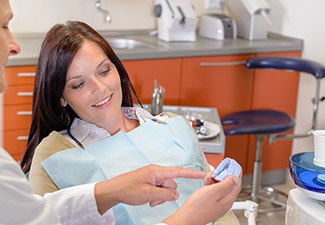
(87, 133)
(18, 204)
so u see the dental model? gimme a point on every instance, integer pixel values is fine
(227, 167)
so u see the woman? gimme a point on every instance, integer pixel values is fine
(83, 98)
(48, 113)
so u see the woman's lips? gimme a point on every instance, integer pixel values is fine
(103, 102)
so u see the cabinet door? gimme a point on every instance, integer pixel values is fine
(222, 82)
(167, 72)
(17, 117)
(21, 94)
(15, 142)
(274, 89)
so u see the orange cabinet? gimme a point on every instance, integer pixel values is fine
(222, 82)
(17, 109)
(167, 72)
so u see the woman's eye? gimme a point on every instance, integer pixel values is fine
(104, 72)
(78, 86)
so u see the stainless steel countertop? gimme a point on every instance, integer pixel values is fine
(30, 45)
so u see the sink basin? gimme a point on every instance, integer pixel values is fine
(127, 43)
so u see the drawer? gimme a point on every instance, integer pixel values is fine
(16, 117)
(20, 75)
(15, 142)
(15, 95)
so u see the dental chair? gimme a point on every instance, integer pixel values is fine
(271, 123)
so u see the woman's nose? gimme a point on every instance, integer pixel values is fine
(14, 47)
(98, 86)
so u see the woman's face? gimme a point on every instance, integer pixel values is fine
(93, 87)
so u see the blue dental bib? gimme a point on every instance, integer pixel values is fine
(170, 144)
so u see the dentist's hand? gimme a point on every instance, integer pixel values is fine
(153, 184)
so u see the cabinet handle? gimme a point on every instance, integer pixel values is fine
(234, 63)
(23, 74)
(24, 113)
(22, 138)
(23, 94)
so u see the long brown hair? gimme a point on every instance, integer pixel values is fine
(59, 47)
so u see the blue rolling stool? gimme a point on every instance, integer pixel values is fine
(262, 123)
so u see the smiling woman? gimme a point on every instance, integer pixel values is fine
(60, 57)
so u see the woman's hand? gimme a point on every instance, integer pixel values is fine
(153, 184)
(208, 203)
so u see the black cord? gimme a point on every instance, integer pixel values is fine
(75, 139)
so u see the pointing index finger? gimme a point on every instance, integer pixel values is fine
(178, 172)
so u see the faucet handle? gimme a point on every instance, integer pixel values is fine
(106, 14)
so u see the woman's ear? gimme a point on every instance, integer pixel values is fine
(63, 102)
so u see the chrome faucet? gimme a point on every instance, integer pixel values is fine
(157, 100)
(107, 16)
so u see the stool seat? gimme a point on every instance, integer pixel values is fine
(260, 123)
(257, 122)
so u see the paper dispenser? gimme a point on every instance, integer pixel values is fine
(251, 17)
